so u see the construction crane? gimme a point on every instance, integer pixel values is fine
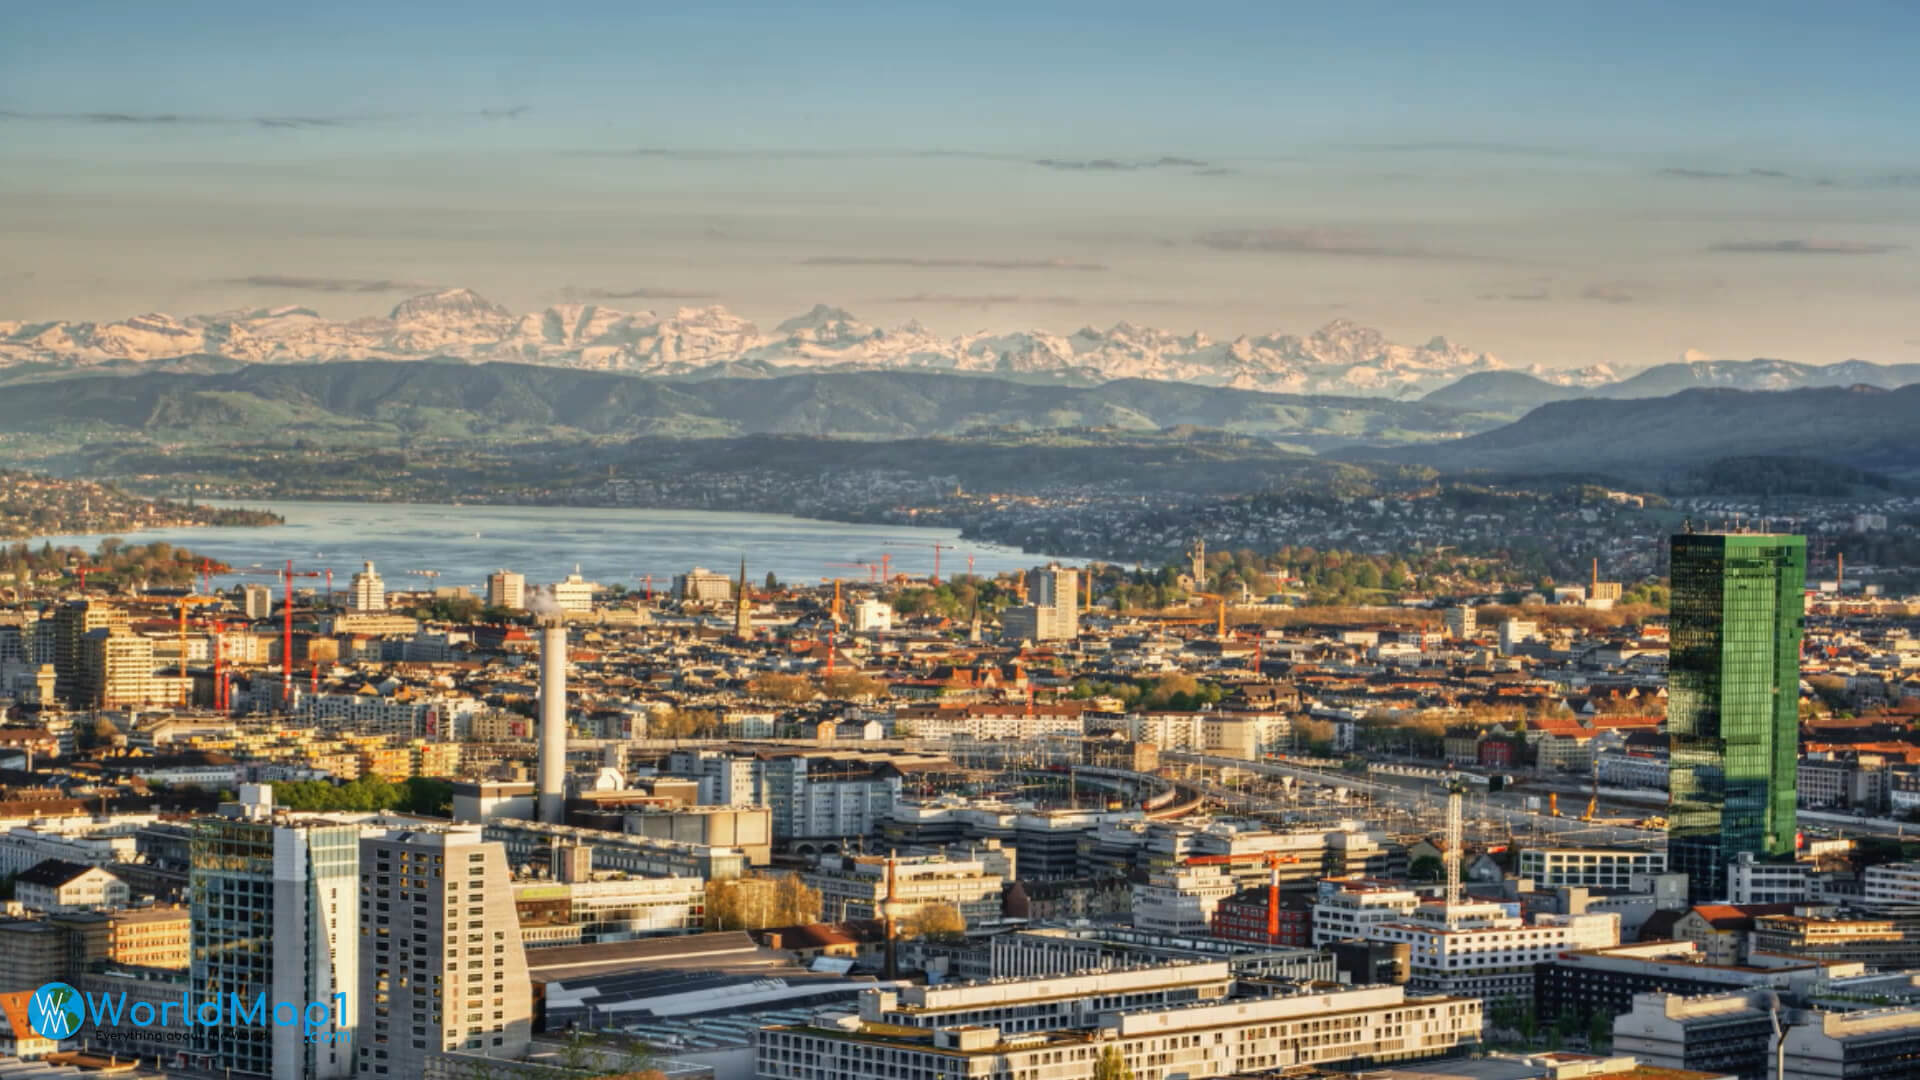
(1220, 612)
(872, 569)
(183, 603)
(937, 549)
(835, 610)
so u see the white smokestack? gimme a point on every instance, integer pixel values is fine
(552, 785)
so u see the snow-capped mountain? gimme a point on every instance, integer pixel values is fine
(1339, 358)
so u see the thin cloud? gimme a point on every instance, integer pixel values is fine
(1803, 247)
(1461, 146)
(573, 293)
(293, 122)
(329, 284)
(1291, 241)
(1120, 164)
(1023, 299)
(1519, 297)
(923, 263)
(1614, 292)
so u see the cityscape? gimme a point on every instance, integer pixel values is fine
(1345, 543)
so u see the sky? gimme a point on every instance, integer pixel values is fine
(1560, 184)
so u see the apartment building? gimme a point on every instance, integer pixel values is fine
(1181, 900)
(441, 966)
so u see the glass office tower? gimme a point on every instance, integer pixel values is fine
(1733, 701)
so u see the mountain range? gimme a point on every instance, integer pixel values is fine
(1517, 391)
(1653, 439)
(376, 401)
(1339, 358)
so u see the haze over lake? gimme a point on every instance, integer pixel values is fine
(610, 545)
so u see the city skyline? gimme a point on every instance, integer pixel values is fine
(1558, 191)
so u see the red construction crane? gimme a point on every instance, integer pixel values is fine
(872, 569)
(937, 549)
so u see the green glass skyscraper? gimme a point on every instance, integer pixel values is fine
(1733, 701)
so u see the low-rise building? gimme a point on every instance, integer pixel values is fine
(58, 886)
(1593, 868)
(1196, 1042)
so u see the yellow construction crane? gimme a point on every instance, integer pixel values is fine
(1220, 612)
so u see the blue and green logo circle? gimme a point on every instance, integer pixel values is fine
(56, 1011)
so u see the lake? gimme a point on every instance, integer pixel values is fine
(610, 545)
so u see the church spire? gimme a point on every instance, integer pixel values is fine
(742, 606)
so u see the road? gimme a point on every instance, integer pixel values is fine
(1420, 796)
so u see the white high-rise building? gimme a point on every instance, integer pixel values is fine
(369, 593)
(506, 589)
(257, 600)
(573, 593)
(441, 965)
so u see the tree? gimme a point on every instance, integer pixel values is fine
(772, 582)
(936, 922)
(780, 687)
(1111, 1065)
(759, 902)
(1425, 868)
(851, 684)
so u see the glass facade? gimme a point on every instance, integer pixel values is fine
(1733, 700)
(273, 925)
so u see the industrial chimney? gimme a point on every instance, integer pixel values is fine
(551, 787)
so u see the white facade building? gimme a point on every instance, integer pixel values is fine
(368, 593)
(1182, 900)
(506, 589)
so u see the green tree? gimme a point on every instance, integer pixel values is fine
(1111, 1065)
(1425, 868)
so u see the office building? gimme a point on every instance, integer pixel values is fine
(1351, 910)
(1756, 881)
(1579, 982)
(275, 910)
(854, 886)
(1052, 612)
(1869, 1043)
(1594, 868)
(1462, 622)
(1197, 1041)
(1895, 884)
(1729, 1033)
(573, 594)
(441, 964)
(1051, 1004)
(1733, 685)
(872, 617)
(368, 594)
(1058, 951)
(1181, 900)
(257, 601)
(507, 590)
(702, 586)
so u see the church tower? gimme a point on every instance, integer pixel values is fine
(742, 606)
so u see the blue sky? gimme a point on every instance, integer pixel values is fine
(1560, 183)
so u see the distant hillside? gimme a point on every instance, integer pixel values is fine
(1671, 437)
(1664, 379)
(383, 401)
(1512, 392)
